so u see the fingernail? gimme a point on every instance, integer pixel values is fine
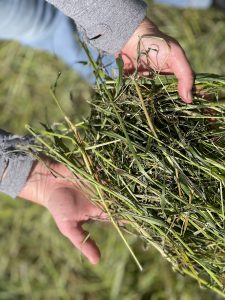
(94, 261)
(189, 97)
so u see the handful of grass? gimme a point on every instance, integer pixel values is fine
(157, 164)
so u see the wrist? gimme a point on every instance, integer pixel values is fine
(146, 27)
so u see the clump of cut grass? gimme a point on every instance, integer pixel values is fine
(156, 163)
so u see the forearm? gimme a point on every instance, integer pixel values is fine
(106, 24)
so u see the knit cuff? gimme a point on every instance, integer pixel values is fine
(106, 24)
(16, 161)
(15, 174)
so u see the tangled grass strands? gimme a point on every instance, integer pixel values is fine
(168, 183)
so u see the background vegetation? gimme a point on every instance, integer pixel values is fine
(36, 262)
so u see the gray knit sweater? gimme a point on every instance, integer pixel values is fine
(107, 25)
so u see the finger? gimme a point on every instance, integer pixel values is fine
(148, 74)
(183, 72)
(129, 63)
(80, 240)
(95, 211)
(101, 217)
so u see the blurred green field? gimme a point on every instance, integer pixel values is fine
(36, 262)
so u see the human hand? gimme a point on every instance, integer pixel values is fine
(67, 201)
(159, 53)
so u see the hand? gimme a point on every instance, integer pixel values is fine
(67, 201)
(159, 53)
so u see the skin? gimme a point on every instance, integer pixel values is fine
(161, 54)
(53, 186)
(64, 197)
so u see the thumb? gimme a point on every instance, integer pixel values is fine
(81, 241)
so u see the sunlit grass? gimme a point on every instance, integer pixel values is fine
(155, 163)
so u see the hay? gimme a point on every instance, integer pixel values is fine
(156, 163)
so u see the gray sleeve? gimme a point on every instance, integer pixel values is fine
(106, 24)
(15, 163)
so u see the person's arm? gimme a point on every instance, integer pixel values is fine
(115, 26)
